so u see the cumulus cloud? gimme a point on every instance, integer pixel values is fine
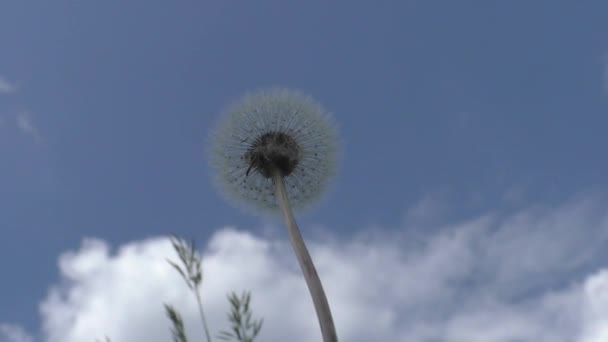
(13, 333)
(595, 326)
(524, 276)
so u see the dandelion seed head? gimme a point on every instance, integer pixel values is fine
(272, 131)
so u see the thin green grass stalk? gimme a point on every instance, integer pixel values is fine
(202, 314)
(244, 327)
(178, 331)
(192, 273)
(328, 329)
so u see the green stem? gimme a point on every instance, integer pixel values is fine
(200, 310)
(328, 330)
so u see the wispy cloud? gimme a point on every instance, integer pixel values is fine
(6, 87)
(524, 276)
(13, 333)
(25, 124)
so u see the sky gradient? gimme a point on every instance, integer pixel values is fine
(448, 112)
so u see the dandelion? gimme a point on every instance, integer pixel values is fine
(274, 130)
(274, 150)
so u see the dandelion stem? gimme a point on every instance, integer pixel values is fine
(328, 330)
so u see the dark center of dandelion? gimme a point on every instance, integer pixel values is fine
(273, 152)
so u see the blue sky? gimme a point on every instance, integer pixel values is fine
(448, 111)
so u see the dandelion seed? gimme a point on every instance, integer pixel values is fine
(274, 130)
(274, 149)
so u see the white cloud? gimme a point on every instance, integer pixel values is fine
(428, 209)
(498, 278)
(25, 125)
(6, 87)
(596, 308)
(13, 333)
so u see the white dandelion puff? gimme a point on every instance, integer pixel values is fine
(276, 148)
(274, 129)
